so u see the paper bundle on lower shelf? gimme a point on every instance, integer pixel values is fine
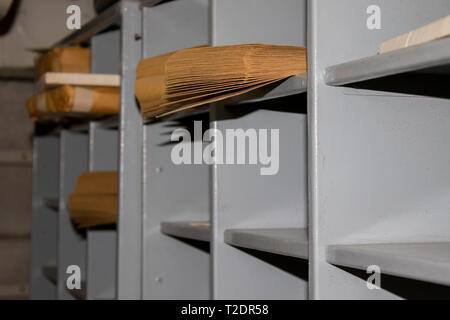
(74, 100)
(94, 202)
(196, 76)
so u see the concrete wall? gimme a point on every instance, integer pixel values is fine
(38, 24)
(15, 189)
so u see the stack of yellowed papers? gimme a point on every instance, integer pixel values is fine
(80, 95)
(94, 202)
(67, 99)
(67, 59)
(200, 75)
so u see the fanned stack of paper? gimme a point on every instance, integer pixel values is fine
(433, 31)
(94, 202)
(72, 99)
(68, 59)
(200, 75)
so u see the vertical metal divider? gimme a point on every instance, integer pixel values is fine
(212, 179)
(377, 159)
(129, 225)
(71, 243)
(312, 149)
(102, 242)
(103, 156)
(44, 219)
(240, 196)
(174, 268)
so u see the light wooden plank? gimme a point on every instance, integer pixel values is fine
(54, 79)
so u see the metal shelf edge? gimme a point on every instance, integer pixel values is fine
(195, 230)
(428, 55)
(428, 262)
(274, 240)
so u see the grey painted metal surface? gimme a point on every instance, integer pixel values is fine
(286, 241)
(102, 243)
(378, 165)
(129, 227)
(101, 264)
(44, 220)
(101, 274)
(173, 268)
(258, 21)
(71, 242)
(421, 261)
(421, 57)
(103, 148)
(175, 25)
(103, 21)
(241, 197)
(195, 230)
(52, 203)
(105, 53)
(51, 273)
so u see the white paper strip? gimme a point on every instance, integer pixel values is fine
(83, 100)
(41, 105)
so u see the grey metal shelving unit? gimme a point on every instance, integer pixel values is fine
(363, 173)
(44, 219)
(175, 266)
(378, 155)
(241, 197)
(109, 258)
(101, 243)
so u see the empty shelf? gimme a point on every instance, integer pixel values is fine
(54, 79)
(420, 261)
(196, 230)
(285, 241)
(51, 273)
(52, 203)
(426, 56)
